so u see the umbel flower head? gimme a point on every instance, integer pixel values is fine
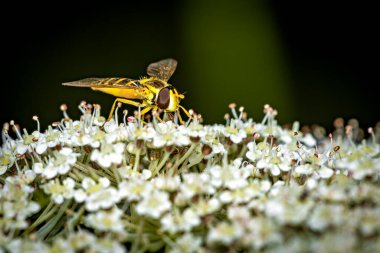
(151, 185)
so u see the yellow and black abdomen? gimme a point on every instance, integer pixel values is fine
(121, 87)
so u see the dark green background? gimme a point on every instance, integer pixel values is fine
(313, 62)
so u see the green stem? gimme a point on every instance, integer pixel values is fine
(243, 151)
(75, 220)
(137, 160)
(74, 176)
(185, 156)
(153, 166)
(48, 227)
(48, 211)
(196, 161)
(137, 242)
(161, 164)
(116, 174)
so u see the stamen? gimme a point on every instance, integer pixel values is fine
(93, 115)
(97, 108)
(227, 118)
(266, 110)
(176, 116)
(156, 116)
(116, 115)
(244, 116)
(241, 110)
(349, 135)
(339, 122)
(232, 106)
(16, 128)
(4, 133)
(148, 117)
(35, 118)
(82, 106)
(372, 133)
(125, 114)
(200, 119)
(191, 113)
(63, 108)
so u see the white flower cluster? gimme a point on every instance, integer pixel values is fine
(85, 186)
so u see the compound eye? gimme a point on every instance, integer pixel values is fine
(163, 98)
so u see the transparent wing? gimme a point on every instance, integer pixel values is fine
(163, 69)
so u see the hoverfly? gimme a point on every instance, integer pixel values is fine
(152, 93)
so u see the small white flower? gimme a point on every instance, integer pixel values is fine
(22, 148)
(154, 205)
(108, 154)
(135, 189)
(264, 233)
(19, 245)
(308, 140)
(204, 207)
(104, 198)
(167, 135)
(194, 184)
(110, 126)
(180, 222)
(107, 245)
(187, 243)
(41, 147)
(80, 240)
(167, 183)
(370, 221)
(231, 176)
(305, 169)
(59, 164)
(216, 149)
(38, 167)
(127, 172)
(325, 215)
(27, 176)
(194, 130)
(236, 135)
(60, 192)
(240, 195)
(253, 152)
(6, 161)
(96, 195)
(325, 172)
(238, 213)
(224, 233)
(106, 220)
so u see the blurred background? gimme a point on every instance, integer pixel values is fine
(311, 61)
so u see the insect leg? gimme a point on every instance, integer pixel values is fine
(179, 117)
(147, 109)
(185, 111)
(125, 101)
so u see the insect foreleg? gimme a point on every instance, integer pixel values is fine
(179, 117)
(125, 101)
(185, 111)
